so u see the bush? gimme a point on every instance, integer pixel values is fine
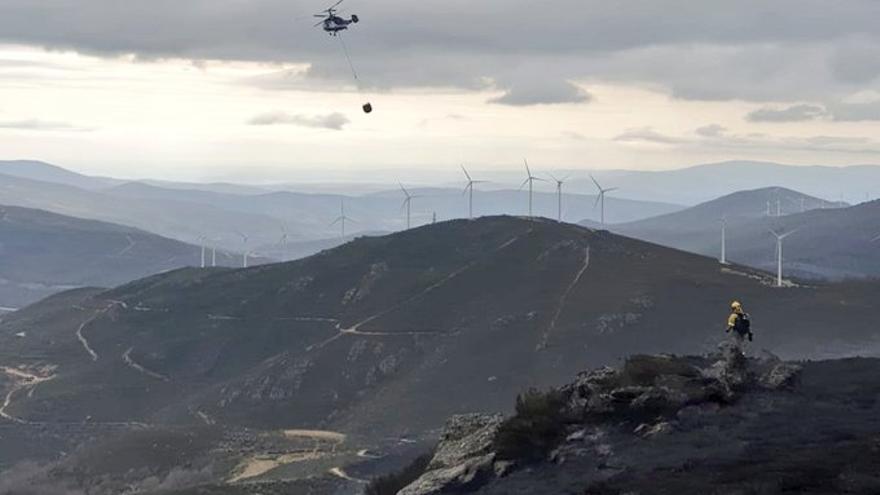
(392, 483)
(643, 370)
(537, 427)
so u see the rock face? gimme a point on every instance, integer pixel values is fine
(463, 459)
(651, 396)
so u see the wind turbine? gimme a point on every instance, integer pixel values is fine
(202, 240)
(559, 183)
(723, 240)
(407, 204)
(244, 256)
(469, 190)
(876, 238)
(530, 180)
(601, 197)
(283, 242)
(779, 239)
(342, 218)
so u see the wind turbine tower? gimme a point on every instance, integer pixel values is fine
(723, 240)
(202, 241)
(559, 183)
(600, 199)
(530, 180)
(779, 239)
(245, 253)
(469, 190)
(342, 218)
(283, 242)
(407, 205)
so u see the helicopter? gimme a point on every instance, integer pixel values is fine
(332, 23)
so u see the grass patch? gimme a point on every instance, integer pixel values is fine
(537, 427)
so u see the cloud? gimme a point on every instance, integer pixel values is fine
(837, 111)
(542, 92)
(646, 135)
(794, 113)
(722, 139)
(711, 130)
(335, 121)
(781, 50)
(855, 112)
(41, 125)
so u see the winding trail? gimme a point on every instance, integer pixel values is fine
(97, 314)
(20, 380)
(355, 329)
(340, 473)
(131, 244)
(126, 356)
(564, 299)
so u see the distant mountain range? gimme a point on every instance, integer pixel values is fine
(287, 224)
(223, 212)
(43, 253)
(832, 240)
(701, 183)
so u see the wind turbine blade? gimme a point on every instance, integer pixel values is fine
(789, 233)
(467, 187)
(611, 189)
(335, 221)
(404, 190)
(876, 238)
(598, 198)
(521, 186)
(553, 177)
(596, 182)
(528, 170)
(466, 174)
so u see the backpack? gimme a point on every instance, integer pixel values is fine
(743, 324)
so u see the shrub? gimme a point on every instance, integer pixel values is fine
(643, 370)
(537, 427)
(392, 483)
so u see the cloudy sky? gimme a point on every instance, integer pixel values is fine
(248, 89)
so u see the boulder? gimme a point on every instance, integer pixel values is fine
(782, 376)
(463, 458)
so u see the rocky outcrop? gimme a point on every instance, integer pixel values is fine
(463, 459)
(646, 398)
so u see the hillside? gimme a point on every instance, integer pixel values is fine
(383, 338)
(830, 243)
(181, 220)
(42, 253)
(408, 313)
(672, 425)
(46, 172)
